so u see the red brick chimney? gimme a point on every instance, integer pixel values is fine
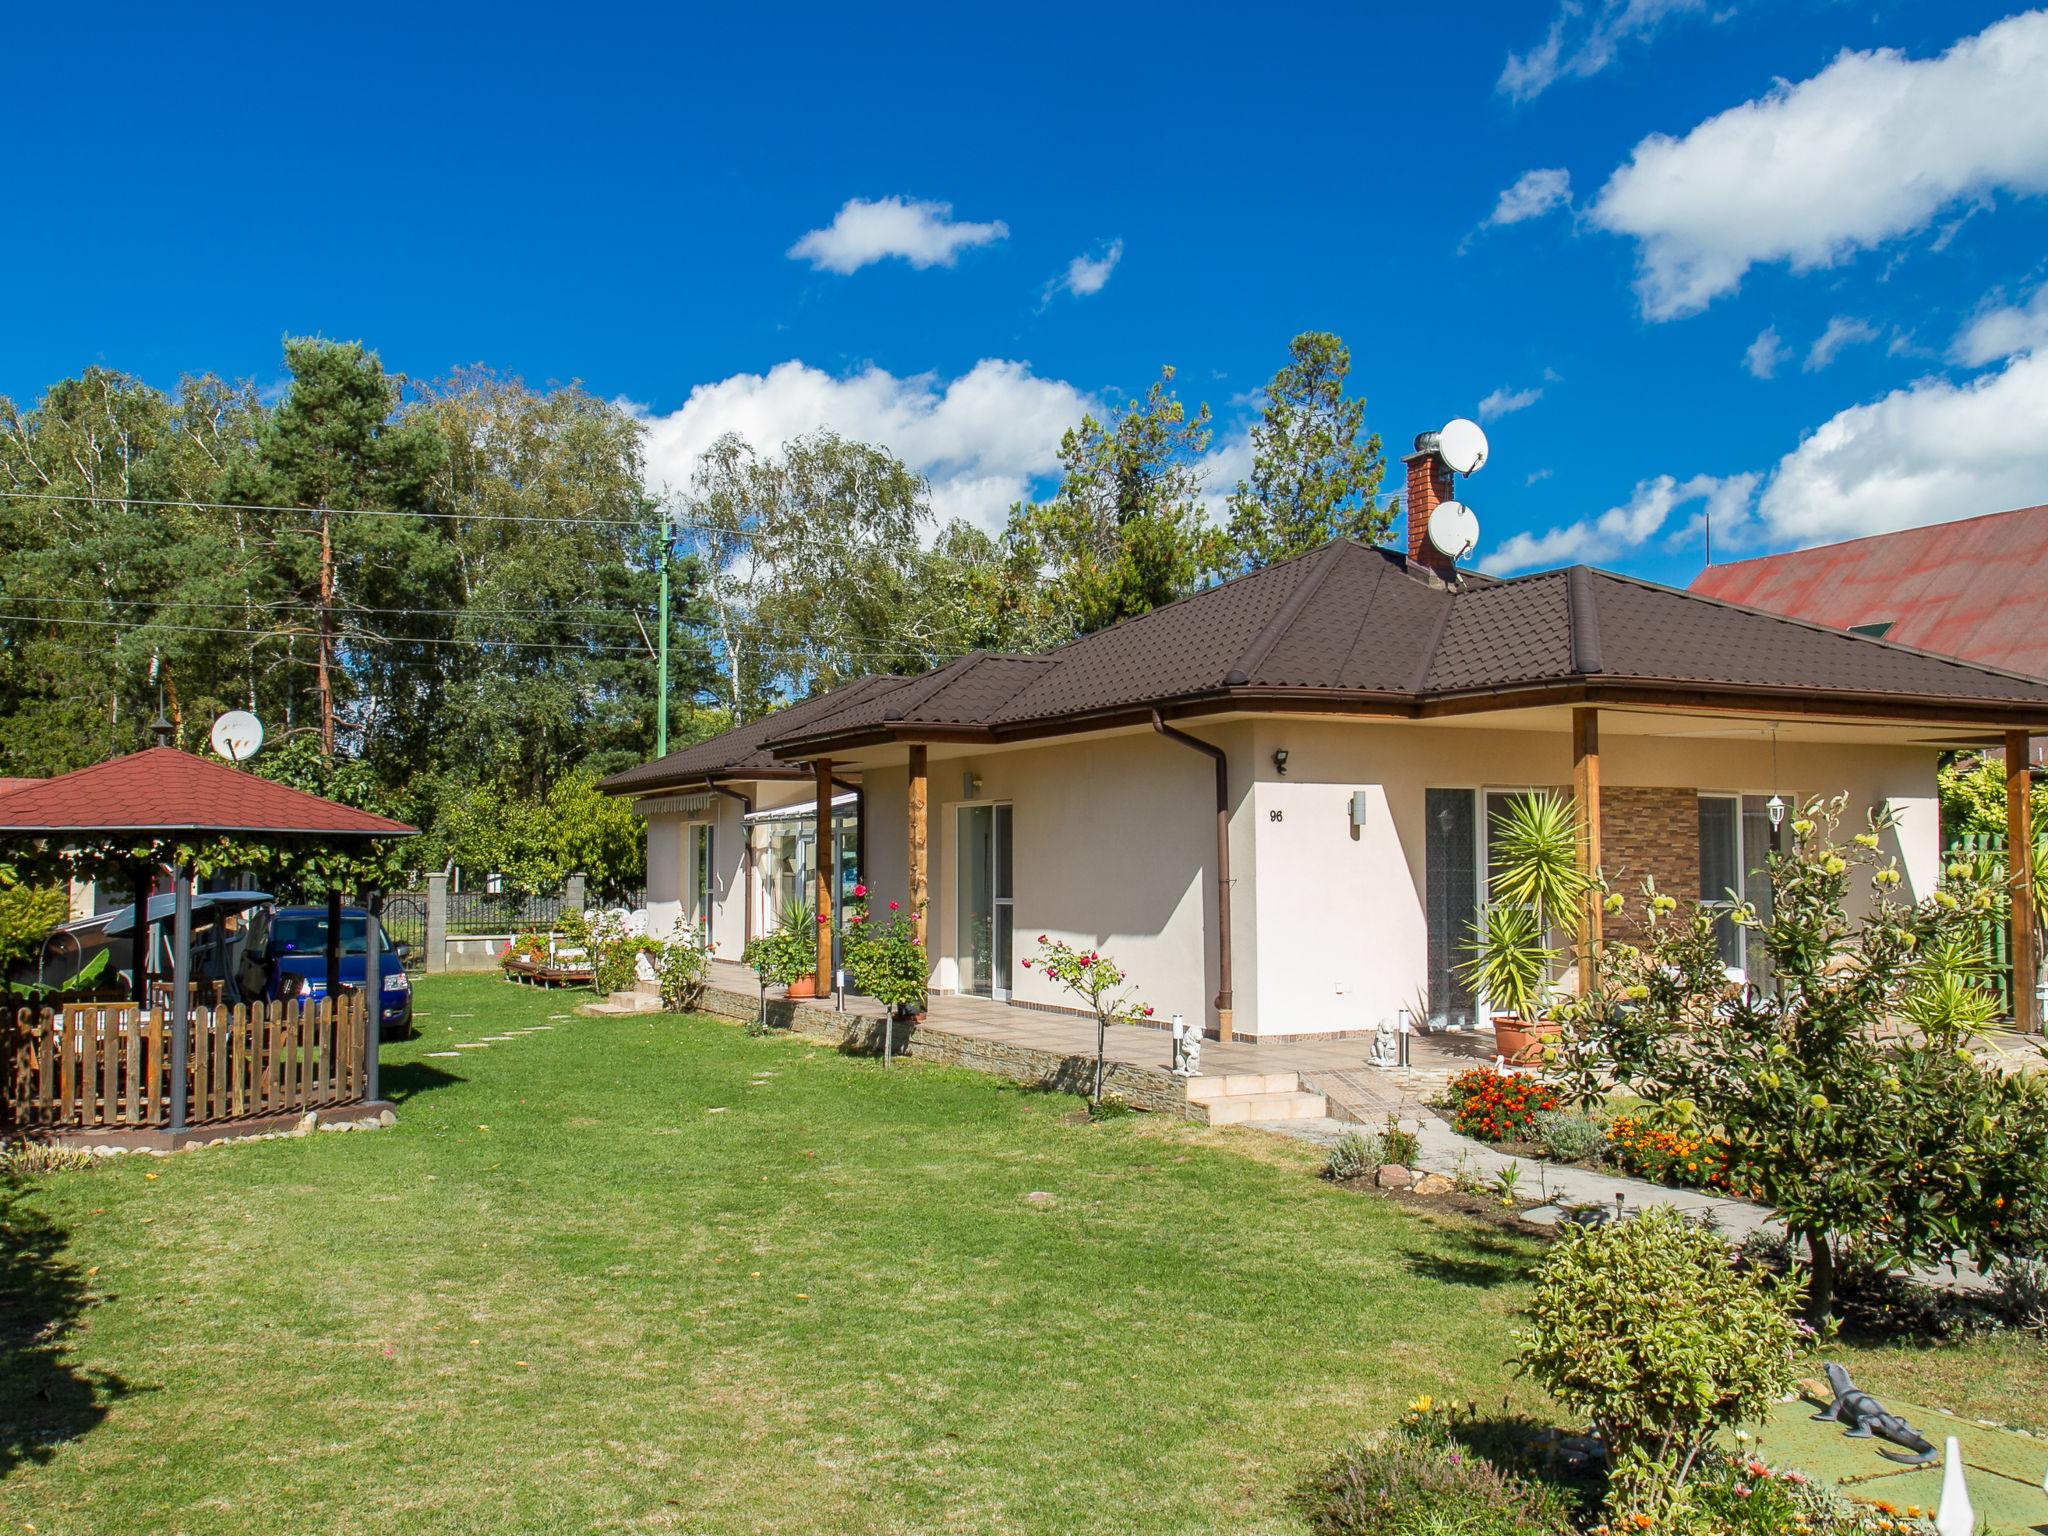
(1429, 486)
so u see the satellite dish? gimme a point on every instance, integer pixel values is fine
(1453, 529)
(1462, 446)
(238, 735)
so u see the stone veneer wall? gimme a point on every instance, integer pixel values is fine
(1654, 833)
(861, 1034)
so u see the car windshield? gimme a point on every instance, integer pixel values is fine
(308, 935)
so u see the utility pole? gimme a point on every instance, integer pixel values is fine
(661, 656)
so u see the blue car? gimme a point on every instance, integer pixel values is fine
(298, 948)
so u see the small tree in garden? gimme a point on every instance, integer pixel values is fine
(1098, 982)
(1847, 1094)
(1647, 1329)
(887, 959)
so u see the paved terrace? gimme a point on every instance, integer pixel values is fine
(1340, 1068)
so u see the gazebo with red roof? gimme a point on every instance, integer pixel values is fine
(150, 808)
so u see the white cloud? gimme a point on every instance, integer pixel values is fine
(1928, 453)
(1505, 402)
(1533, 194)
(923, 234)
(1606, 539)
(1087, 274)
(1999, 331)
(1873, 147)
(1842, 331)
(1763, 355)
(1580, 46)
(983, 439)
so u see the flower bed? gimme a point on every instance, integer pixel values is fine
(1496, 1106)
(1684, 1160)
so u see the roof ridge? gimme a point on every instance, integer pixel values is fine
(1866, 538)
(1582, 620)
(917, 689)
(1240, 671)
(1821, 629)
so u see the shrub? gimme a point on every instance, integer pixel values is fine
(1848, 1094)
(1404, 1485)
(25, 1159)
(525, 946)
(1647, 1330)
(1398, 1145)
(789, 950)
(2020, 1284)
(1568, 1137)
(1355, 1156)
(1497, 1106)
(1666, 1155)
(1111, 1106)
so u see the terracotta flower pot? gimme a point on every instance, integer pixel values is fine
(803, 987)
(1521, 1041)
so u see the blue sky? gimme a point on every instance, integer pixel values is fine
(1594, 223)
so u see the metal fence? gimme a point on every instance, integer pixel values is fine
(503, 911)
(1986, 850)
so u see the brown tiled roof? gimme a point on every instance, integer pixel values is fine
(741, 752)
(1352, 623)
(161, 790)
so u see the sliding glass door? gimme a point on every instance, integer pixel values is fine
(982, 930)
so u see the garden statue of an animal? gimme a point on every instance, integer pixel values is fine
(1866, 1418)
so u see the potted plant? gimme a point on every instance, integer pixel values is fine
(1537, 887)
(787, 955)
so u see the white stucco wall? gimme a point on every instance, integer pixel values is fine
(1339, 941)
(1114, 843)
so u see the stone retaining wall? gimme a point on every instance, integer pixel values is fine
(861, 1034)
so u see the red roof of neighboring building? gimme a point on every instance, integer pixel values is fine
(161, 790)
(1977, 588)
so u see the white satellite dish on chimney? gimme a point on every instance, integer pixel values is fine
(1453, 530)
(1462, 446)
(238, 735)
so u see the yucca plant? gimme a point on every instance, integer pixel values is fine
(1538, 886)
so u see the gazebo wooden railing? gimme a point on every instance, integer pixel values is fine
(107, 1066)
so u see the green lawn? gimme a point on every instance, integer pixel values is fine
(564, 1295)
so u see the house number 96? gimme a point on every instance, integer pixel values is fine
(1276, 815)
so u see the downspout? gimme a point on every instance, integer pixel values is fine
(746, 856)
(1216, 755)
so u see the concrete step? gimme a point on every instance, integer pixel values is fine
(635, 1001)
(1242, 1108)
(1230, 1085)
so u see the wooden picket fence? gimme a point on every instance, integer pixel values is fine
(107, 1066)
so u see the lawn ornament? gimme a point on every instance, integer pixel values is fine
(1191, 1054)
(1955, 1516)
(1866, 1417)
(1386, 1044)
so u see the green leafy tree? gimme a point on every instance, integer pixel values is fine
(1315, 470)
(1125, 532)
(1648, 1331)
(1848, 1095)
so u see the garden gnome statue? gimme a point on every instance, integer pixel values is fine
(1191, 1054)
(1955, 1517)
(1386, 1044)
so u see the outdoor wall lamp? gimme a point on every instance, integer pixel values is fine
(1280, 761)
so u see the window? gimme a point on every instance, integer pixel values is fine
(1876, 631)
(1451, 857)
(1736, 841)
(700, 877)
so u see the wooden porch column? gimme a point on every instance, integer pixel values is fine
(919, 894)
(827, 862)
(1586, 801)
(2019, 859)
